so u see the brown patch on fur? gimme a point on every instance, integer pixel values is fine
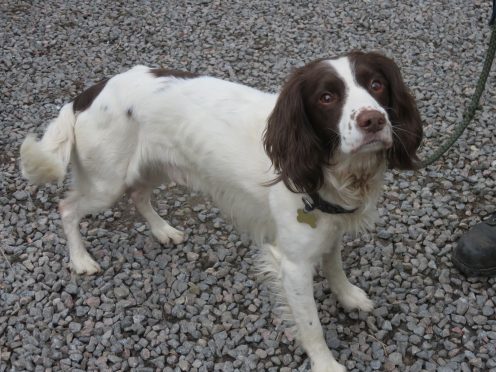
(85, 99)
(398, 102)
(361, 182)
(302, 133)
(163, 72)
(358, 180)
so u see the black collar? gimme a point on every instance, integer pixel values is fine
(314, 201)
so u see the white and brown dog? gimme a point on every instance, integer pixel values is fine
(295, 169)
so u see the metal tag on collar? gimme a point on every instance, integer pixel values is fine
(306, 218)
(308, 203)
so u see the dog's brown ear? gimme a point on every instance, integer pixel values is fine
(291, 143)
(403, 114)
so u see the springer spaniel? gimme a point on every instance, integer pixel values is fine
(296, 169)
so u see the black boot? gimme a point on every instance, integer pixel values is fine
(475, 254)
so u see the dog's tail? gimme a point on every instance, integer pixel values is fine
(46, 160)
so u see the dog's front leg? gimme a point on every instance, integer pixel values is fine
(297, 280)
(349, 295)
(299, 248)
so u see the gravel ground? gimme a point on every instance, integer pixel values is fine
(198, 306)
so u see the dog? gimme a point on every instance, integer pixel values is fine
(296, 169)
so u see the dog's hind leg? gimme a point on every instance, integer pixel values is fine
(73, 208)
(159, 227)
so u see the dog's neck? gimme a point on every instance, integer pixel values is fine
(354, 182)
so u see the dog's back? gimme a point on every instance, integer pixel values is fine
(140, 128)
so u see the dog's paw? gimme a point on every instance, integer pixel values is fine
(84, 264)
(327, 365)
(167, 233)
(355, 298)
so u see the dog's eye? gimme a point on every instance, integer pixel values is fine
(376, 86)
(327, 98)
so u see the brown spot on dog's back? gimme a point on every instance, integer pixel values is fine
(85, 99)
(164, 72)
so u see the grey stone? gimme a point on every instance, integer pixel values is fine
(121, 292)
(396, 358)
(71, 288)
(21, 195)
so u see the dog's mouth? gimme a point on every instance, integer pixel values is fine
(373, 144)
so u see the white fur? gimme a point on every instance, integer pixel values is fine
(351, 135)
(47, 160)
(207, 133)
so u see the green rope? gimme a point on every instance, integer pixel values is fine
(469, 113)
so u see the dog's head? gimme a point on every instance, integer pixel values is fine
(354, 104)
